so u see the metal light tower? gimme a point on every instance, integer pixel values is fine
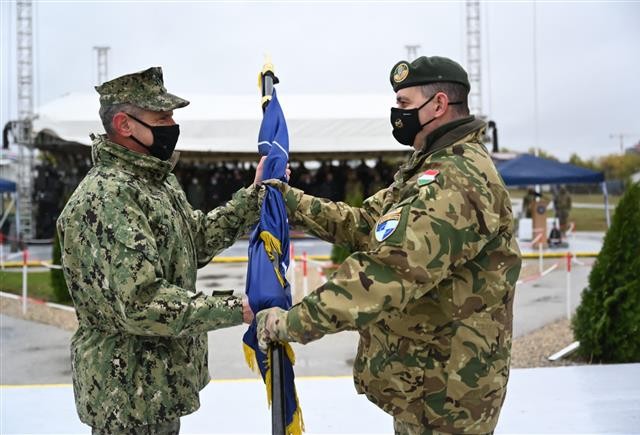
(24, 62)
(23, 133)
(474, 59)
(102, 53)
(412, 51)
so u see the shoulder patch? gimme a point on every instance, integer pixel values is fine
(428, 177)
(387, 225)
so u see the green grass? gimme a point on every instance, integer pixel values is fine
(38, 284)
(589, 219)
(592, 198)
(586, 219)
(589, 198)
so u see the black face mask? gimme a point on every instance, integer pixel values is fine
(165, 138)
(406, 123)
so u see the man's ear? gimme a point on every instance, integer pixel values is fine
(121, 125)
(442, 103)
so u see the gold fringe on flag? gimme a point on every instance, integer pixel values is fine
(273, 246)
(250, 357)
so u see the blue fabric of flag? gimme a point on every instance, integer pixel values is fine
(267, 285)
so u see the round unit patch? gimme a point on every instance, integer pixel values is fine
(387, 225)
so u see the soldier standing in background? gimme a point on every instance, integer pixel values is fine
(430, 288)
(562, 205)
(527, 201)
(131, 246)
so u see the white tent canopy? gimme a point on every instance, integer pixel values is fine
(229, 124)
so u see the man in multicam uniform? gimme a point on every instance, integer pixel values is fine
(131, 245)
(562, 204)
(430, 288)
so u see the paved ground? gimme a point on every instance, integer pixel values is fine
(564, 400)
(33, 353)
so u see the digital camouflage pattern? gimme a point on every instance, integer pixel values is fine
(433, 301)
(131, 245)
(166, 428)
(143, 89)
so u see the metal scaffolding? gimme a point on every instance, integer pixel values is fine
(474, 56)
(23, 131)
(102, 53)
(412, 51)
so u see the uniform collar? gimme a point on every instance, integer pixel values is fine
(108, 153)
(442, 137)
(450, 133)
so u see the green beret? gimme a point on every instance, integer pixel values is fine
(425, 70)
(144, 89)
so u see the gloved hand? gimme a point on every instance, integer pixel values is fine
(272, 327)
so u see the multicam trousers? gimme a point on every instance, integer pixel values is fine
(404, 428)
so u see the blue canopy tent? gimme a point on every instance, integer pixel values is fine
(7, 186)
(527, 169)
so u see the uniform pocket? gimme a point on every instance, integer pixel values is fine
(478, 370)
(390, 371)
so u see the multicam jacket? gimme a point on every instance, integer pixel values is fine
(131, 245)
(430, 288)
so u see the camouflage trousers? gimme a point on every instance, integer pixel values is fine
(404, 428)
(563, 218)
(166, 428)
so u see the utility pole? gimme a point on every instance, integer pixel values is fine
(412, 51)
(24, 132)
(535, 83)
(102, 53)
(621, 136)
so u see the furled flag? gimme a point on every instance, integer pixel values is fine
(267, 284)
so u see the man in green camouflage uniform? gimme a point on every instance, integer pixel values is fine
(430, 288)
(562, 205)
(131, 245)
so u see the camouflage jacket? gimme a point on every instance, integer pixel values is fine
(562, 202)
(131, 245)
(430, 288)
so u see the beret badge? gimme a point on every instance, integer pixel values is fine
(401, 72)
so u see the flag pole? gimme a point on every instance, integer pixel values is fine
(276, 352)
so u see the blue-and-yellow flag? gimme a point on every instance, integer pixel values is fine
(267, 284)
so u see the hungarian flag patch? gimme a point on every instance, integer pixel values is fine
(428, 177)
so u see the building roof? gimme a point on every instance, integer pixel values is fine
(229, 124)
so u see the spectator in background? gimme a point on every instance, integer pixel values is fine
(562, 205)
(527, 201)
(196, 194)
(353, 189)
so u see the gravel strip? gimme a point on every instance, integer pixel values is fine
(39, 312)
(533, 349)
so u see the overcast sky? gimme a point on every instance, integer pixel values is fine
(588, 56)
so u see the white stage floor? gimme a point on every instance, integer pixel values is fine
(564, 400)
